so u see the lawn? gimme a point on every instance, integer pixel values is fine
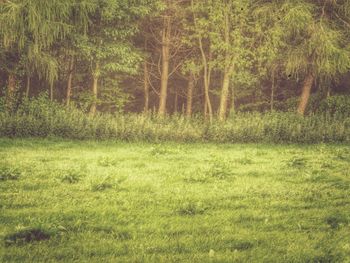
(135, 202)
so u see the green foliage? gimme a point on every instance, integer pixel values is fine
(29, 28)
(336, 105)
(315, 46)
(42, 118)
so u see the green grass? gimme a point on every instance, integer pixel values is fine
(136, 202)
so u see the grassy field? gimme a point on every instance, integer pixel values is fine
(118, 202)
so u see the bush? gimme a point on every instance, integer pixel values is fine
(336, 105)
(42, 118)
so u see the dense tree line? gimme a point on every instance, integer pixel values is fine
(212, 57)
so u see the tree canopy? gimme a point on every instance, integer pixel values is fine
(208, 57)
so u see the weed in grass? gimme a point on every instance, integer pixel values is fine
(123, 235)
(342, 155)
(249, 219)
(244, 160)
(317, 175)
(326, 258)
(327, 164)
(336, 220)
(338, 183)
(260, 153)
(117, 234)
(26, 236)
(253, 174)
(8, 173)
(241, 245)
(191, 208)
(297, 162)
(220, 169)
(106, 182)
(71, 177)
(107, 162)
(198, 176)
(159, 150)
(101, 184)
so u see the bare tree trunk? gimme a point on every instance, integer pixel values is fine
(305, 95)
(51, 90)
(190, 88)
(11, 84)
(166, 35)
(146, 87)
(176, 101)
(227, 71)
(206, 75)
(225, 93)
(11, 89)
(70, 80)
(95, 77)
(272, 91)
(27, 85)
(233, 104)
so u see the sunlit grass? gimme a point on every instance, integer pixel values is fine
(115, 202)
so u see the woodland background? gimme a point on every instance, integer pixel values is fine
(194, 60)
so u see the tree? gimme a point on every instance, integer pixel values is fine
(318, 43)
(31, 27)
(107, 45)
(199, 37)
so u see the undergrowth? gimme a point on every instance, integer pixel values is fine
(42, 118)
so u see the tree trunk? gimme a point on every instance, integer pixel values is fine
(233, 104)
(206, 74)
(190, 88)
(95, 77)
(224, 95)
(208, 107)
(165, 66)
(27, 85)
(146, 87)
(51, 90)
(11, 89)
(11, 84)
(227, 71)
(69, 82)
(305, 95)
(272, 91)
(176, 101)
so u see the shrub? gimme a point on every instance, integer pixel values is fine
(42, 118)
(339, 105)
